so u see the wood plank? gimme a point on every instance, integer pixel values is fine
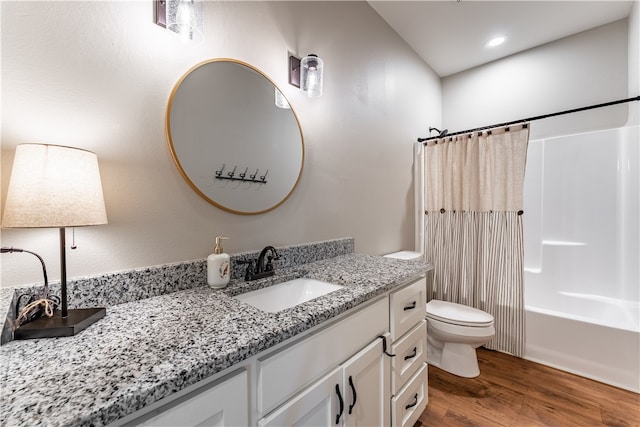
(549, 414)
(513, 392)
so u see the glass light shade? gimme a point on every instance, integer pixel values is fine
(54, 186)
(311, 70)
(281, 101)
(184, 17)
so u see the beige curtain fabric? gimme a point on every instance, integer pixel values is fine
(482, 172)
(473, 227)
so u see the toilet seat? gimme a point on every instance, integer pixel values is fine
(454, 333)
(458, 314)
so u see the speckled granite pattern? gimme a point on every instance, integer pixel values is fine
(145, 350)
(7, 302)
(117, 288)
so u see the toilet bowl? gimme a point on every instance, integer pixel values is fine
(454, 331)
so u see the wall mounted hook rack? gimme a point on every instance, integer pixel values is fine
(231, 176)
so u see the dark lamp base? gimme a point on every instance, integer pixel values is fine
(58, 326)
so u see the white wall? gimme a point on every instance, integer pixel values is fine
(588, 68)
(634, 60)
(97, 75)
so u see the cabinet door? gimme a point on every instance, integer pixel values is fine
(221, 404)
(318, 405)
(366, 388)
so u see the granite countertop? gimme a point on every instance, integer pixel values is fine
(145, 350)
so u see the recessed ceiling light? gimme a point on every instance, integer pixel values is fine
(496, 41)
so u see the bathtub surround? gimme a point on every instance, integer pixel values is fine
(594, 255)
(473, 226)
(113, 289)
(581, 254)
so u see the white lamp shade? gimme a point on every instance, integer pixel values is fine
(54, 186)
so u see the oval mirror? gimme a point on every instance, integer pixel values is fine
(229, 140)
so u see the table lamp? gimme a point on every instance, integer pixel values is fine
(55, 186)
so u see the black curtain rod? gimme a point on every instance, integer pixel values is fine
(530, 119)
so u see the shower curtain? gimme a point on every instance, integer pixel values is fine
(473, 198)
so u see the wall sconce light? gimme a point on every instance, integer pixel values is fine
(281, 101)
(58, 187)
(183, 17)
(307, 74)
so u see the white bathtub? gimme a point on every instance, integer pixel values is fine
(604, 347)
(581, 254)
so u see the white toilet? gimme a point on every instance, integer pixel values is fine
(454, 331)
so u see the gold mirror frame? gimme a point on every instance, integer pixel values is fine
(215, 186)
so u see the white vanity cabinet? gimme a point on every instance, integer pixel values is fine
(409, 388)
(354, 394)
(336, 374)
(223, 402)
(353, 375)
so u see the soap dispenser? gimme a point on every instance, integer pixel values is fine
(218, 266)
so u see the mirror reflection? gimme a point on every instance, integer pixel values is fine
(230, 141)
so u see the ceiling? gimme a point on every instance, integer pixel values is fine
(450, 35)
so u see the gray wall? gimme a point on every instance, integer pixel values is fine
(97, 75)
(588, 68)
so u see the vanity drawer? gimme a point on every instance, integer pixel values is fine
(289, 370)
(410, 354)
(408, 306)
(411, 401)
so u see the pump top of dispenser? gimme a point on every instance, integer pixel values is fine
(218, 248)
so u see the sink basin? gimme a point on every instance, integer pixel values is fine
(287, 294)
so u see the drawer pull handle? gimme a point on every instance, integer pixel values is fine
(384, 346)
(415, 402)
(410, 306)
(341, 404)
(353, 391)
(412, 355)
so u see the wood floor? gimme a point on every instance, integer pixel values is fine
(515, 392)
